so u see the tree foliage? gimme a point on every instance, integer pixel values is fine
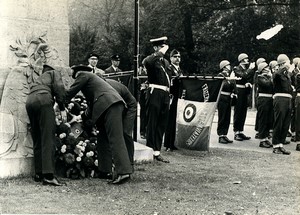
(205, 31)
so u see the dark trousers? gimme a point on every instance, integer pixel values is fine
(143, 119)
(171, 128)
(41, 115)
(282, 119)
(293, 113)
(297, 118)
(240, 110)
(224, 114)
(264, 116)
(128, 124)
(110, 141)
(157, 115)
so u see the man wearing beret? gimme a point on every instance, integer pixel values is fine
(158, 99)
(93, 61)
(175, 71)
(106, 109)
(115, 62)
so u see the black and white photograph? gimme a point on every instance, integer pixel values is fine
(139, 107)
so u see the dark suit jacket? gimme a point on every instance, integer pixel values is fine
(111, 70)
(99, 94)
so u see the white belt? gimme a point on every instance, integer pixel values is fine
(225, 93)
(161, 87)
(240, 86)
(282, 95)
(265, 95)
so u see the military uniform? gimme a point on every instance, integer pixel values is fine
(129, 116)
(47, 90)
(282, 106)
(174, 90)
(241, 106)
(106, 111)
(297, 106)
(224, 107)
(158, 100)
(264, 108)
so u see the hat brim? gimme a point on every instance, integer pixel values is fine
(80, 68)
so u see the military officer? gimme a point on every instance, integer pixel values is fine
(115, 62)
(176, 72)
(158, 96)
(106, 108)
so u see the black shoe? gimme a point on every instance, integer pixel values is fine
(286, 142)
(265, 144)
(223, 140)
(104, 175)
(121, 179)
(52, 182)
(161, 159)
(281, 150)
(38, 177)
(257, 136)
(293, 139)
(298, 147)
(228, 141)
(238, 137)
(244, 136)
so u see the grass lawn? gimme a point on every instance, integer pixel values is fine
(216, 182)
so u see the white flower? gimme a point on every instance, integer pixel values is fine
(80, 154)
(63, 150)
(62, 135)
(96, 162)
(78, 159)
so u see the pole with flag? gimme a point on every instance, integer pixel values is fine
(136, 60)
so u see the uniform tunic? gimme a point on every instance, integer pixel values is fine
(174, 90)
(224, 104)
(297, 106)
(39, 105)
(241, 106)
(282, 105)
(157, 103)
(264, 105)
(107, 108)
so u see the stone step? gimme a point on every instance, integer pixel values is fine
(142, 153)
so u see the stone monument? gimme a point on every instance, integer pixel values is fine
(32, 32)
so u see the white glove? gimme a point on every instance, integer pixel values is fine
(248, 85)
(164, 49)
(63, 116)
(252, 65)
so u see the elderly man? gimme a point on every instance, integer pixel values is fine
(93, 61)
(106, 111)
